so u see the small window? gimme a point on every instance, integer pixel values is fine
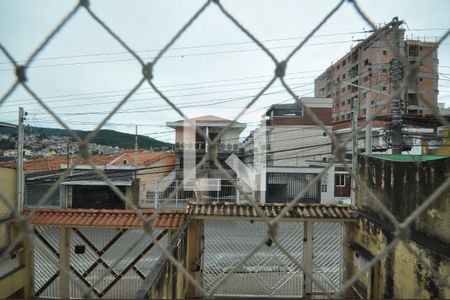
(339, 180)
(413, 50)
(324, 134)
(125, 162)
(384, 88)
(420, 79)
(366, 62)
(323, 188)
(384, 52)
(343, 76)
(384, 70)
(364, 95)
(349, 100)
(364, 111)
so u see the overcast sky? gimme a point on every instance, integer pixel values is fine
(212, 69)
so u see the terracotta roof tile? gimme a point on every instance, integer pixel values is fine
(55, 162)
(299, 211)
(77, 217)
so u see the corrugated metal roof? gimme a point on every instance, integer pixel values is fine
(299, 211)
(79, 217)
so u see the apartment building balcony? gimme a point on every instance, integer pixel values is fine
(201, 147)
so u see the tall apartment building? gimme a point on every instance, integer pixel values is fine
(368, 68)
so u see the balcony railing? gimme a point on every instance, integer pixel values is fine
(201, 146)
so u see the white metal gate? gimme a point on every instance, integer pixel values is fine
(268, 272)
(94, 254)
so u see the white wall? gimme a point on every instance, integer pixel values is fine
(231, 136)
(303, 139)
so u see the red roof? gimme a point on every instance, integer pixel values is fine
(55, 162)
(82, 217)
(143, 158)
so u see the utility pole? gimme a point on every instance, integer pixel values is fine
(396, 125)
(355, 112)
(68, 154)
(136, 147)
(19, 163)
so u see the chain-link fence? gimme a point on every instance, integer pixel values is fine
(402, 84)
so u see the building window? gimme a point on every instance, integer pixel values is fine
(364, 111)
(413, 50)
(384, 88)
(339, 180)
(364, 95)
(384, 52)
(323, 187)
(349, 100)
(324, 133)
(366, 62)
(343, 76)
(125, 162)
(344, 62)
(420, 79)
(384, 70)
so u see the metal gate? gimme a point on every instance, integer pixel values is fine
(268, 272)
(92, 252)
(327, 256)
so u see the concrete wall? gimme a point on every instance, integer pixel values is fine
(8, 190)
(402, 186)
(13, 271)
(157, 172)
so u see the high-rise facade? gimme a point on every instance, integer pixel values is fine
(366, 74)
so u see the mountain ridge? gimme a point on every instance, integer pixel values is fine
(107, 137)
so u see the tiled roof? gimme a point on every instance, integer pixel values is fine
(143, 157)
(77, 217)
(55, 162)
(299, 211)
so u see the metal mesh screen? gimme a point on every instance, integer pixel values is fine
(269, 228)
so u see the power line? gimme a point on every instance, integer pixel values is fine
(133, 100)
(202, 83)
(211, 45)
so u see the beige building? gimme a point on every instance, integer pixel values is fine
(363, 75)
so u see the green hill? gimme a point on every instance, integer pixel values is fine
(104, 137)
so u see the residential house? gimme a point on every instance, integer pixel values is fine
(296, 150)
(198, 147)
(133, 173)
